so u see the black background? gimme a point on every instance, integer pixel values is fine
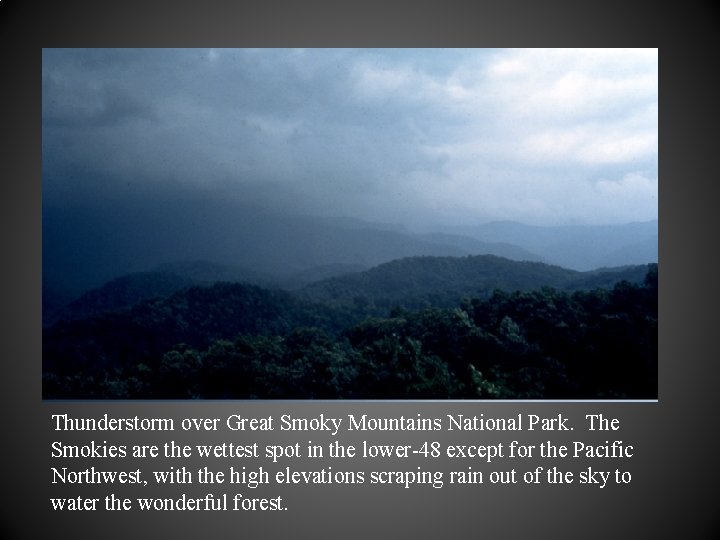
(675, 472)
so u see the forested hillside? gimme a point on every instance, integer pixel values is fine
(445, 281)
(428, 327)
(119, 293)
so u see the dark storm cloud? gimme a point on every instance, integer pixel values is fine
(392, 135)
(104, 107)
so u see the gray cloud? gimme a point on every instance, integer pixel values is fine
(392, 135)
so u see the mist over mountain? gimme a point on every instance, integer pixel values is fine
(143, 230)
(580, 247)
(476, 247)
(140, 229)
(86, 248)
(644, 250)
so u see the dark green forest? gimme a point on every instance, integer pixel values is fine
(479, 327)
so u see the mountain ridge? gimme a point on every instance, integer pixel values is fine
(86, 246)
(455, 277)
(397, 280)
(579, 247)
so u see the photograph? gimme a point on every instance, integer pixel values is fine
(349, 224)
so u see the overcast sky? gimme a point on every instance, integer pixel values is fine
(420, 137)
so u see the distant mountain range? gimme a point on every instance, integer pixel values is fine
(580, 247)
(85, 247)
